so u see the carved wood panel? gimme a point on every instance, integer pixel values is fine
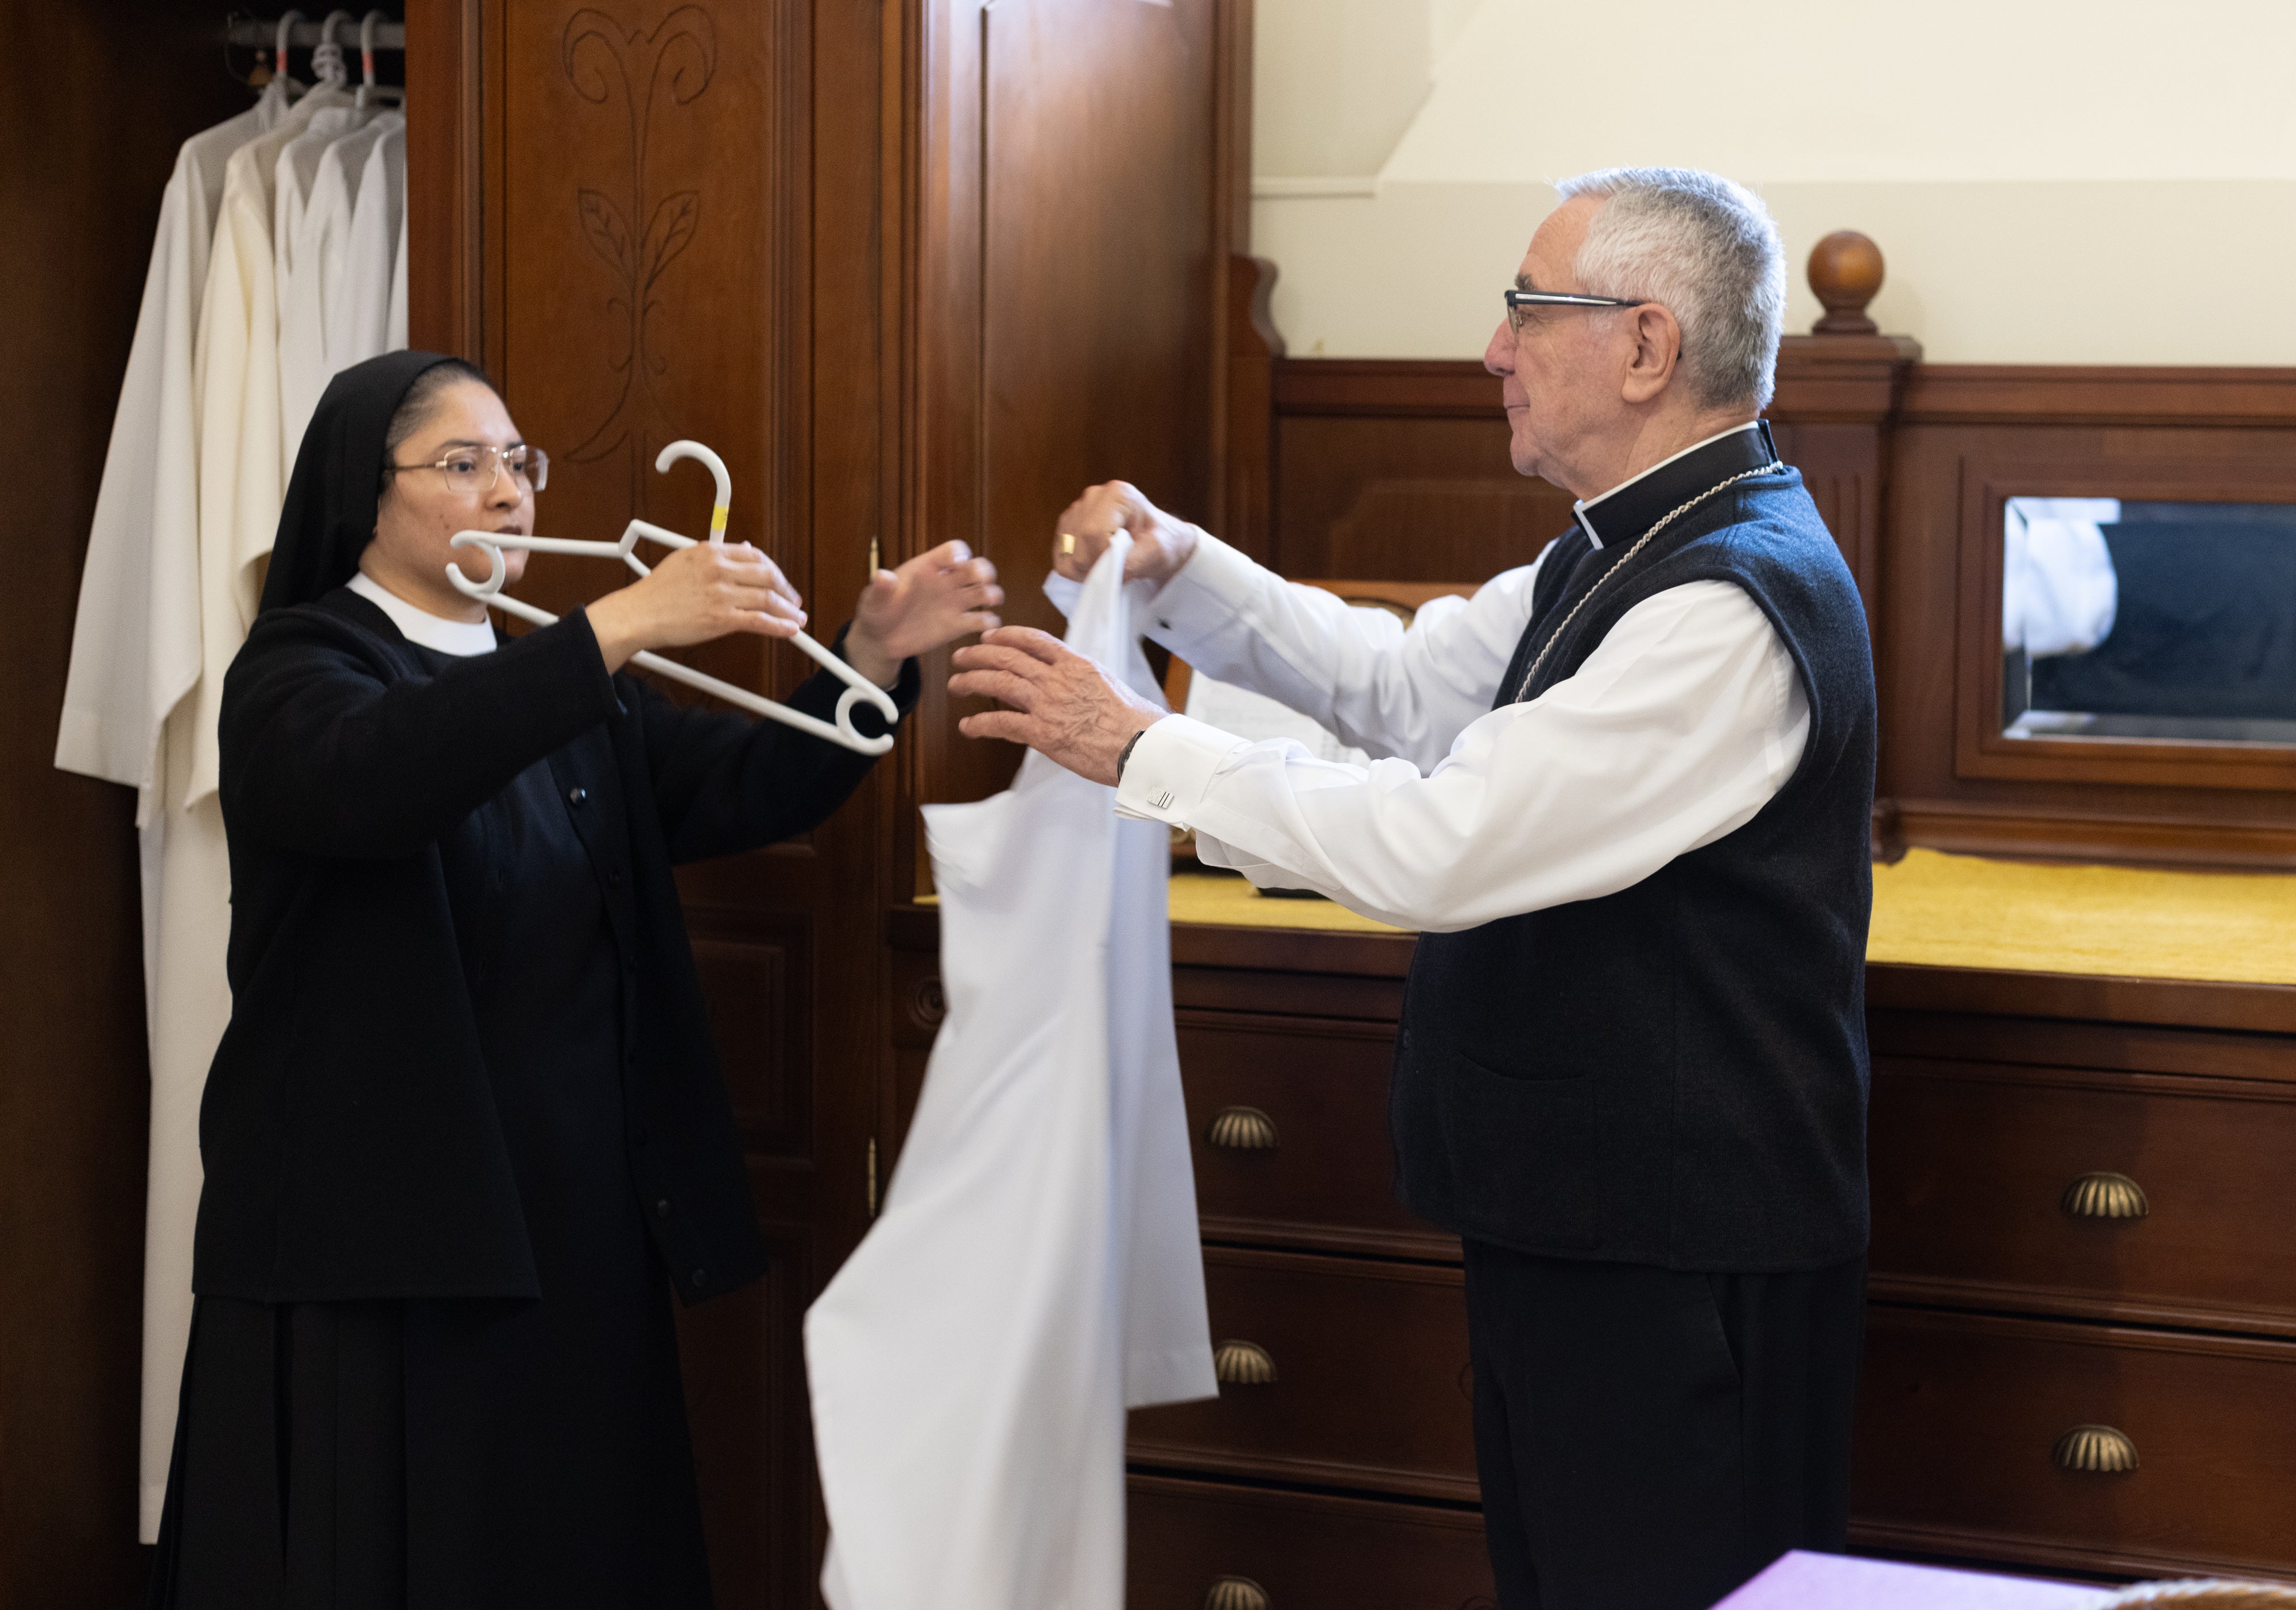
(619, 207)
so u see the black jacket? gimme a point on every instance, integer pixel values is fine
(348, 1132)
(1674, 1074)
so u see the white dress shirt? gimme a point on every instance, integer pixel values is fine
(1684, 721)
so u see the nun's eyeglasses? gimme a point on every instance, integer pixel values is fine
(472, 471)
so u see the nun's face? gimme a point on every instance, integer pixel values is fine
(467, 432)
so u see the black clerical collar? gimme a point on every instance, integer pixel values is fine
(1628, 509)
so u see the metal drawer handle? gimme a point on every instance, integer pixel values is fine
(1236, 1593)
(2098, 1450)
(2104, 1196)
(1242, 1129)
(1244, 1364)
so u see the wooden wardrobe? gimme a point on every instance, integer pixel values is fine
(919, 270)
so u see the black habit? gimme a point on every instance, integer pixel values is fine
(466, 1130)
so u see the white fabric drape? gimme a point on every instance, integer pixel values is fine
(1036, 1270)
(191, 492)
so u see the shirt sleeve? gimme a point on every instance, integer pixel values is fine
(1687, 720)
(1383, 689)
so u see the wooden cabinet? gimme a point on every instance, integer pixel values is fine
(2077, 1354)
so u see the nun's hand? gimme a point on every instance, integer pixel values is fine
(697, 594)
(934, 599)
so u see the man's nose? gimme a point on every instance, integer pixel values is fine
(1498, 357)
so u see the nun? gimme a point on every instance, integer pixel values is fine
(465, 1132)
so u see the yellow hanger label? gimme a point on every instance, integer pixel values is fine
(717, 522)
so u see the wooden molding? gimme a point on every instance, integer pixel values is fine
(1177, 1458)
(1953, 1543)
(1387, 388)
(1841, 379)
(1988, 1296)
(2053, 832)
(2178, 1003)
(2069, 394)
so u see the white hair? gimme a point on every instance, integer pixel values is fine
(1706, 248)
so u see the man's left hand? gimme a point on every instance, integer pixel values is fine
(1060, 703)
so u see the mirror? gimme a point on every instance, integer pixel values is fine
(2128, 620)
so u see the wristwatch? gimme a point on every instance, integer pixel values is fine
(1126, 754)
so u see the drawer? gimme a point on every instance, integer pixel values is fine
(1370, 1385)
(1960, 1422)
(1972, 1164)
(1304, 1159)
(1303, 1551)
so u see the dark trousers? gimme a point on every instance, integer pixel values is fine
(1648, 1439)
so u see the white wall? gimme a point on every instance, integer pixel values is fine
(2050, 181)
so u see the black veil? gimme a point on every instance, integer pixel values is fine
(332, 497)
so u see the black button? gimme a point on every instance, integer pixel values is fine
(614, 877)
(575, 796)
(701, 1276)
(661, 1208)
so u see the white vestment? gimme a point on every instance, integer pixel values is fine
(1036, 1270)
(359, 296)
(311, 216)
(136, 659)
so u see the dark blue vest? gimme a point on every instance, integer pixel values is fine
(1674, 1074)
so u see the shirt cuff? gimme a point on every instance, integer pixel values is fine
(1171, 769)
(1211, 590)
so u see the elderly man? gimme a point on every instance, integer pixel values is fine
(1624, 795)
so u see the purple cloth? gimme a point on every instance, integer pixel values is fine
(1832, 1582)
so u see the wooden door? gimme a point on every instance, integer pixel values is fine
(1082, 163)
(653, 220)
(918, 271)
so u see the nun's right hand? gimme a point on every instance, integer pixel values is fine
(697, 594)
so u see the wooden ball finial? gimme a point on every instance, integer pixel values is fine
(1845, 271)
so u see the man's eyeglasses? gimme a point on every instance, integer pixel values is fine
(473, 471)
(1517, 300)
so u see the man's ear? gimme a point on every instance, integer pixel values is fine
(1657, 352)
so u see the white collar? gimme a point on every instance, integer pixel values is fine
(464, 638)
(1579, 509)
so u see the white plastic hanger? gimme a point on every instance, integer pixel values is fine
(368, 89)
(287, 21)
(327, 60)
(859, 687)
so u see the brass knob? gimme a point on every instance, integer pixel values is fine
(1242, 1129)
(1244, 1364)
(1236, 1593)
(2104, 1196)
(2098, 1450)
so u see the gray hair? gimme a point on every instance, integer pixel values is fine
(1708, 249)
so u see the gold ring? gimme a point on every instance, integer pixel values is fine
(1068, 543)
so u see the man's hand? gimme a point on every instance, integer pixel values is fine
(1061, 703)
(1161, 544)
(933, 599)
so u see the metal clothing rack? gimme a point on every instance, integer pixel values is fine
(307, 33)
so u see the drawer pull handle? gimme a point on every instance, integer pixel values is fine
(2104, 1196)
(1236, 1593)
(2098, 1450)
(1242, 1364)
(1243, 1129)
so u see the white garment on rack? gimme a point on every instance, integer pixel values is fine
(310, 214)
(1036, 1270)
(135, 656)
(394, 338)
(358, 324)
(359, 293)
(243, 461)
